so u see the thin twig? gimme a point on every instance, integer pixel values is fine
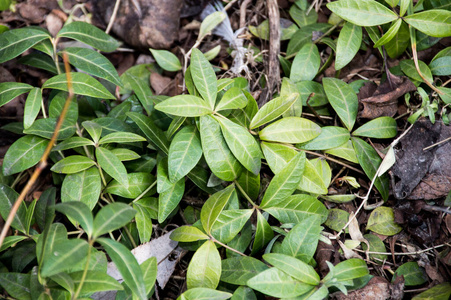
(113, 16)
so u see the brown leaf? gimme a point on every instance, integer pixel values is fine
(377, 288)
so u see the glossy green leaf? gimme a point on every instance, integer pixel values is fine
(121, 137)
(11, 240)
(297, 208)
(169, 199)
(152, 132)
(306, 88)
(140, 86)
(73, 164)
(15, 42)
(242, 144)
(285, 182)
(95, 281)
(303, 17)
(125, 154)
(16, 284)
(23, 154)
(263, 233)
(111, 217)
(93, 63)
(238, 270)
(370, 161)
(277, 155)
(441, 66)
(184, 153)
(229, 223)
(336, 219)
(204, 269)
(338, 198)
(343, 100)
(330, 137)
(10, 90)
(382, 221)
(345, 151)
(350, 269)
(163, 182)
(379, 128)
(306, 63)
(94, 130)
(32, 107)
(137, 183)
(144, 215)
(408, 68)
(127, 266)
(390, 34)
(82, 84)
(84, 186)
(112, 165)
(375, 245)
(188, 234)
(45, 128)
(80, 212)
(214, 206)
(287, 29)
(234, 98)
(40, 61)
(244, 293)
(204, 77)
(184, 106)
(210, 22)
(302, 239)
(294, 267)
(348, 44)
(303, 36)
(439, 292)
(64, 254)
(290, 130)
(312, 181)
(204, 294)
(250, 183)
(166, 60)
(149, 270)
(244, 116)
(8, 197)
(276, 283)
(362, 12)
(397, 45)
(433, 22)
(272, 110)
(89, 34)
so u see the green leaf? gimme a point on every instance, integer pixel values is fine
(82, 84)
(350, 269)
(348, 44)
(216, 152)
(204, 77)
(169, 199)
(11, 240)
(125, 154)
(188, 234)
(32, 107)
(370, 161)
(294, 267)
(242, 144)
(23, 154)
(94, 130)
(17, 41)
(80, 212)
(121, 137)
(408, 68)
(141, 89)
(40, 61)
(94, 281)
(439, 292)
(229, 223)
(302, 239)
(127, 266)
(297, 208)
(84, 186)
(345, 151)
(204, 294)
(433, 22)
(214, 206)
(277, 155)
(330, 137)
(88, 34)
(149, 270)
(397, 45)
(302, 17)
(272, 110)
(306, 88)
(244, 293)
(45, 208)
(137, 184)
(390, 34)
(45, 128)
(8, 197)
(306, 63)
(379, 128)
(303, 36)
(143, 220)
(412, 272)
(16, 284)
(382, 221)
(184, 153)
(10, 90)
(263, 233)
(93, 63)
(184, 106)
(250, 183)
(64, 254)
(73, 164)
(166, 60)
(111, 217)
(337, 219)
(112, 165)
(312, 180)
(234, 98)
(276, 283)
(375, 245)
(152, 132)
(163, 183)
(285, 182)
(209, 23)
(290, 130)
(238, 270)
(362, 12)
(204, 269)
(338, 198)
(343, 100)
(441, 66)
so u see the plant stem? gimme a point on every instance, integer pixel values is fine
(226, 246)
(145, 192)
(245, 194)
(85, 271)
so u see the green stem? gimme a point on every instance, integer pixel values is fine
(55, 55)
(245, 194)
(85, 271)
(145, 192)
(226, 246)
(129, 234)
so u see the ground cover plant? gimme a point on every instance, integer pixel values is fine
(299, 195)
